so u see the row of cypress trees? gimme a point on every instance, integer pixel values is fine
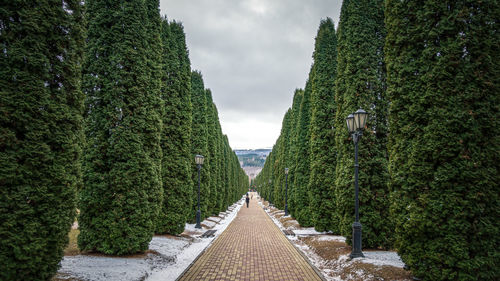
(427, 74)
(101, 111)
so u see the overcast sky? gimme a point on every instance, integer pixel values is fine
(253, 54)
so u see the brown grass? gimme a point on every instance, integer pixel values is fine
(328, 250)
(288, 222)
(278, 216)
(64, 277)
(374, 272)
(332, 250)
(72, 248)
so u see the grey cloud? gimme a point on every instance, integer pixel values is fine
(253, 53)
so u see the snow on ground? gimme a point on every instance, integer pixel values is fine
(168, 246)
(208, 224)
(168, 258)
(215, 219)
(382, 258)
(330, 238)
(332, 269)
(308, 231)
(106, 268)
(189, 254)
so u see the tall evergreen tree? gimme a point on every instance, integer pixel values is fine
(297, 99)
(212, 153)
(176, 135)
(360, 83)
(199, 144)
(280, 162)
(444, 84)
(323, 150)
(122, 193)
(226, 174)
(220, 168)
(41, 106)
(302, 160)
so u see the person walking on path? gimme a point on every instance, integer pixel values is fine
(247, 200)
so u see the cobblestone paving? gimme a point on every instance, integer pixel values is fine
(252, 248)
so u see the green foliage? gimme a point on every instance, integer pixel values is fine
(297, 99)
(281, 162)
(176, 134)
(41, 106)
(122, 193)
(199, 144)
(211, 157)
(323, 150)
(219, 161)
(360, 83)
(302, 160)
(443, 83)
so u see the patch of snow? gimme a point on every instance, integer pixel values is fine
(106, 268)
(308, 231)
(184, 259)
(168, 246)
(214, 219)
(192, 229)
(382, 258)
(208, 224)
(330, 238)
(121, 268)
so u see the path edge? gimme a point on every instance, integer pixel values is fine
(202, 252)
(321, 276)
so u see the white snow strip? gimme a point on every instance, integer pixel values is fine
(330, 238)
(168, 246)
(189, 254)
(192, 229)
(308, 231)
(105, 268)
(208, 224)
(214, 219)
(382, 258)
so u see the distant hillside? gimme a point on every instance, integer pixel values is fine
(252, 160)
(252, 157)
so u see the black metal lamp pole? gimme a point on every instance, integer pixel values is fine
(286, 192)
(199, 163)
(356, 123)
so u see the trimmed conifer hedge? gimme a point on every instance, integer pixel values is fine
(176, 133)
(323, 149)
(122, 194)
(199, 145)
(360, 83)
(41, 106)
(443, 82)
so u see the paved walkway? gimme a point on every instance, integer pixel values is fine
(251, 248)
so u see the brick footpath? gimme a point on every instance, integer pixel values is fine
(251, 248)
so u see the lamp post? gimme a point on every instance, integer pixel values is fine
(286, 192)
(356, 123)
(199, 162)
